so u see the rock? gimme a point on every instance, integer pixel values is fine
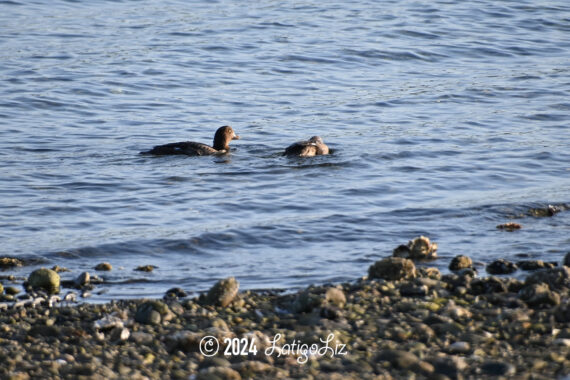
(218, 373)
(420, 248)
(145, 268)
(556, 278)
(488, 285)
(510, 227)
(306, 301)
(536, 295)
(501, 266)
(1, 288)
(451, 366)
(119, 334)
(153, 313)
(413, 290)
(398, 359)
(104, 267)
(392, 269)
(460, 262)
(498, 368)
(11, 290)
(223, 292)
(534, 264)
(459, 348)
(547, 211)
(10, 262)
(430, 272)
(45, 279)
(82, 280)
(175, 293)
(336, 297)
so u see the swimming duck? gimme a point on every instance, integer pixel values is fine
(312, 147)
(222, 140)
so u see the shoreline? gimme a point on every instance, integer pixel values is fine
(400, 321)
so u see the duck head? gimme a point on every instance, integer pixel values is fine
(223, 137)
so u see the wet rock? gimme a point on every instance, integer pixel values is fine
(510, 227)
(105, 267)
(420, 248)
(547, 211)
(534, 264)
(536, 295)
(145, 268)
(336, 297)
(82, 280)
(45, 279)
(175, 293)
(430, 272)
(556, 278)
(498, 368)
(218, 373)
(223, 292)
(392, 269)
(501, 266)
(153, 313)
(1, 288)
(460, 262)
(10, 262)
(331, 312)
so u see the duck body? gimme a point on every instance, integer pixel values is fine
(309, 148)
(221, 145)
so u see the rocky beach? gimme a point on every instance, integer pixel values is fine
(404, 319)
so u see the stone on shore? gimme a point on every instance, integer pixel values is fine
(460, 262)
(501, 266)
(392, 269)
(223, 292)
(45, 279)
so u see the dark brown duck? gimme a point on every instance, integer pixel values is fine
(311, 147)
(222, 140)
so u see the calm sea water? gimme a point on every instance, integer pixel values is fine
(446, 118)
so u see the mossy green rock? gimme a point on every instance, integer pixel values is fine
(45, 279)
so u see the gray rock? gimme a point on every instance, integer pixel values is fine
(45, 279)
(223, 292)
(392, 269)
(460, 262)
(83, 279)
(153, 313)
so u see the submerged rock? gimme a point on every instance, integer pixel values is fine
(45, 279)
(420, 248)
(392, 269)
(10, 262)
(510, 227)
(104, 267)
(223, 292)
(460, 262)
(534, 264)
(501, 266)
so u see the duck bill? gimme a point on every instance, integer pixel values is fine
(236, 137)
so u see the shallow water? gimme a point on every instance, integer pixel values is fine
(446, 118)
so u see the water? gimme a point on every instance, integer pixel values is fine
(446, 118)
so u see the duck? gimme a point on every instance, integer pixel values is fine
(222, 140)
(309, 148)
